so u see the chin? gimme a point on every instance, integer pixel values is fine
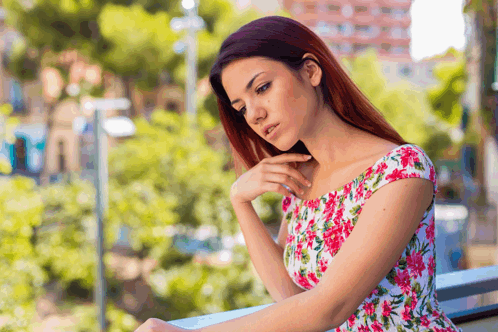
(285, 147)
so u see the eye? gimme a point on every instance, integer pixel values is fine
(259, 91)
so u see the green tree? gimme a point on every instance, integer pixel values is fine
(21, 210)
(406, 109)
(165, 177)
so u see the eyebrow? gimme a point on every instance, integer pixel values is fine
(249, 85)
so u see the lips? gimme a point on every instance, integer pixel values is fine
(268, 135)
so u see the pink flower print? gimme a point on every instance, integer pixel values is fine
(302, 281)
(309, 242)
(330, 206)
(415, 263)
(347, 188)
(311, 237)
(424, 321)
(296, 211)
(290, 238)
(363, 328)
(333, 196)
(419, 227)
(333, 245)
(386, 308)
(298, 226)
(351, 320)
(333, 238)
(336, 230)
(413, 175)
(369, 172)
(348, 228)
(414, 300)
(323, 264)
(432, 176)
(408, 157)
(368, 194)
(376, 326)
(299, 248)
(285, 203)
(435, 314)
(405, 314)
(359, 191)
(381, 168)
(396, 174)
(373, 292)
(429, 231)
(369, 308)
(402, 279)
(432, 265)
(310, 224)
(314, 204)
(339, 214)
(312, 277)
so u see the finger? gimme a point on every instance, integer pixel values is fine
(284, 179)
(292, 172)
(287, 157)
(277, 188)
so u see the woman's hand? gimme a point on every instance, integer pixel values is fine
(270, 175)
(157, 325)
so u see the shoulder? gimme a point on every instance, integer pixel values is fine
(405, 161)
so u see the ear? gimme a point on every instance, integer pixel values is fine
(311, 70)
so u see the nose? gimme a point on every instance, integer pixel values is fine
(255, 113)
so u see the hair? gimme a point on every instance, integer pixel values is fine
(285, 40)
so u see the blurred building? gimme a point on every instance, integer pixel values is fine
(352, 26)
(68, 150)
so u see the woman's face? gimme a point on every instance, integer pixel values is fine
(268, 95)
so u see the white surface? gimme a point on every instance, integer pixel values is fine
(119, 126)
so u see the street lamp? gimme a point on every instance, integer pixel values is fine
(192, 23)
(115, 127)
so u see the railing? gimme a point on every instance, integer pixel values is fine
(449, 286)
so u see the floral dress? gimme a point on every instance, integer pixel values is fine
(405, 300)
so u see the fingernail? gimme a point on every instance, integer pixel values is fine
(308, 183)
(308, 157)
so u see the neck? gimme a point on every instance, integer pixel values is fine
(332, 141)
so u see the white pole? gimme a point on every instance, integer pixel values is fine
(191, 62)
(100, 181)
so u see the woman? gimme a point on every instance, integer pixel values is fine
(358, 258)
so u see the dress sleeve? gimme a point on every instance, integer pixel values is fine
(408, 161)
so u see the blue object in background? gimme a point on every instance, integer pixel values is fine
(451, 238)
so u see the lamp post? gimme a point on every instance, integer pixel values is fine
(115, 127)
(192, 23)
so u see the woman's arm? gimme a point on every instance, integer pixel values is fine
(266, 255)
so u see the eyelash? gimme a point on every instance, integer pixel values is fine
(241, 112)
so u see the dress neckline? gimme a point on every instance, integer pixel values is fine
(364, 172)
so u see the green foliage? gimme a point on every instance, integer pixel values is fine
(404, 108)
(193, 289)
(444, 98)
(22, 277)
(68, 232)
(167, 174)
(131, 38)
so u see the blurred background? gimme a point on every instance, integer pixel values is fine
(172, 245)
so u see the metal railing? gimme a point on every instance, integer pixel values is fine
(449, 286)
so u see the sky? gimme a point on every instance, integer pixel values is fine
(436, 26)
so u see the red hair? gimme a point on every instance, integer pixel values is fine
(285, 40)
